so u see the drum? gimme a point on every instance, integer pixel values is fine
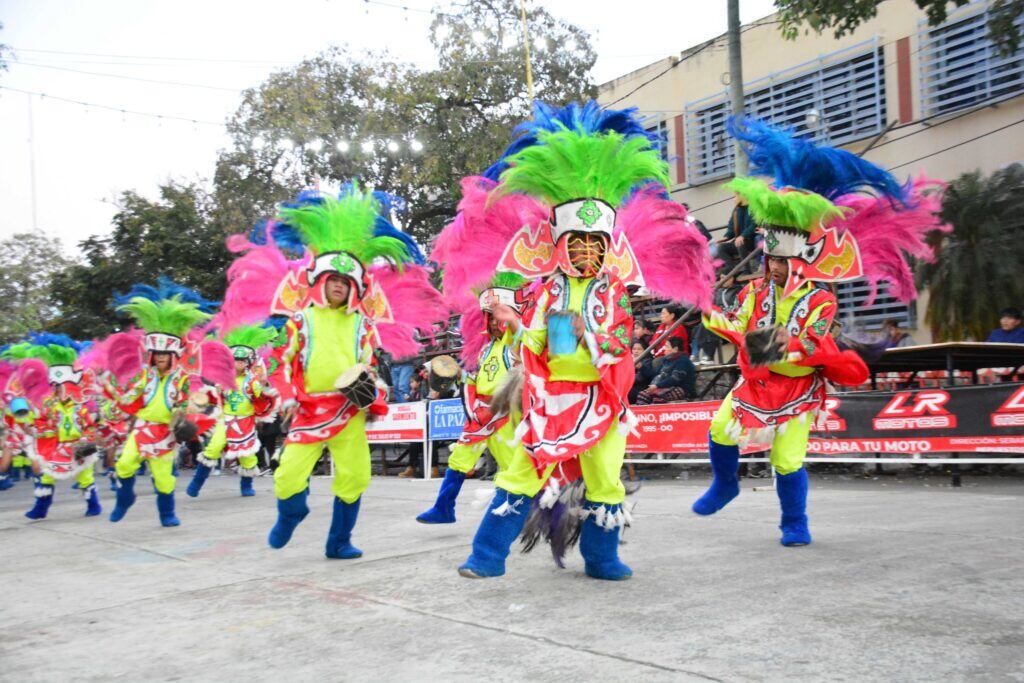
(562, 339)
(765, 347)
(443, 373)
(357, 385)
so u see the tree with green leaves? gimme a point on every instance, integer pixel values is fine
(844, 16)
(461, 113)
(28, 262)
(978, 270)
(173, 236)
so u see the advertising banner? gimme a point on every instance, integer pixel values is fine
(985, 418)
(404, 422)
(447, 417)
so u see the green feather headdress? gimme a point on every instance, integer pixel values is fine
(568, 164)
(166, 316)
(345, 224)
(507, 280)
(789, 209)
(245, 339)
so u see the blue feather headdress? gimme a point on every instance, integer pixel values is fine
(166, 289)
(798, 162)
(585, 118)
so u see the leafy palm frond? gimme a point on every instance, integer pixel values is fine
(978, 269)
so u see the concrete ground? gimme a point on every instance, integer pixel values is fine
(903, 582)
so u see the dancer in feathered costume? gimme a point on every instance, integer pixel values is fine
(63, 432)
(113, 424)
(23, 387)
(154, 380)
(782, 322)
(576, 334)
(490, 350)
(253, 400)
(359, 290)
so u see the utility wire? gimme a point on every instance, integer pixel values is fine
(129, 78)
(122, 110)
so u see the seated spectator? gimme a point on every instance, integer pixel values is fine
(669, 315)
(1010, 330)
(415, 392)
(642, 332)
(676, 379)
(644, 372)
(897, 338)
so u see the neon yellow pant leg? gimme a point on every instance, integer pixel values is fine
(720, 423)
(218, 440)
(247, 462)
(86, 478)
(162, 468)
(463, 457)
(601, 465)
(20, 461)
(789, 447)
(790, 444)
(350, 452)
(130, 461)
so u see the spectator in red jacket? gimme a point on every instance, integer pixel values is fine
(669, 315)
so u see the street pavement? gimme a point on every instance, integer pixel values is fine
(905, 580)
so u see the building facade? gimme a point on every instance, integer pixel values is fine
(920, 99)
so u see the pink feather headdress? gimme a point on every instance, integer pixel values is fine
(673, 255)
(886, 234)
(470, 248)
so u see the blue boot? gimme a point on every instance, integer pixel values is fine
(165, 506)
(92, 501)
(792, 490)
(599, 545)
(245, 483)
(339, 538)
(725, 463)
(16, 473)
(443, 511)
(290, 512)
(499, 528)
(5, 482)
(198, 479)
(44, 497)
(125, 498)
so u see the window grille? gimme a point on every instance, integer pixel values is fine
(960, 66)
(855, 313)
(847, 88)
(660, 131)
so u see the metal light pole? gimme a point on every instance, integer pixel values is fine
(736, 77)
(526, 49)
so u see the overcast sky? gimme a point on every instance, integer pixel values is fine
(85, 156)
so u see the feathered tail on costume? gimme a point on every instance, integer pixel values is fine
(887, 234)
